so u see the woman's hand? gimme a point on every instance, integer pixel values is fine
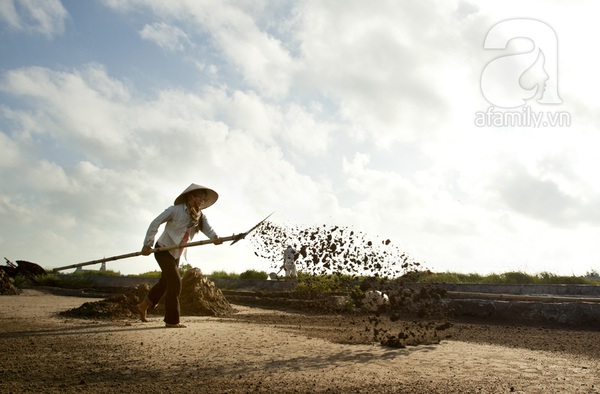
(218, 240)
(146, 250)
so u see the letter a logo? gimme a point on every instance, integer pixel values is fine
(528, 67)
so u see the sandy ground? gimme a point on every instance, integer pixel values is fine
(265, 351)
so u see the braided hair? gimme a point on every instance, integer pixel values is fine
(195, 213)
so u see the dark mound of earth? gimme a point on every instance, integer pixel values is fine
(6, 285)
(199, 297)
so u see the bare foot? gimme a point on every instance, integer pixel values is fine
(143, 307)
(178, 325)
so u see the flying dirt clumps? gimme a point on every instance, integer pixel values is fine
(411, 333)
(387, 291)
(332, 249)
(199, 297)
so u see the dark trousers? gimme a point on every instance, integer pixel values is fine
(168, 285)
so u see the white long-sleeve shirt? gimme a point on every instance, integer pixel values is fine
(177, 221)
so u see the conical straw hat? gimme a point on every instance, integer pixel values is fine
(211, 195)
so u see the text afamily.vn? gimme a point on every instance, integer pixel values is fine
(525, 117)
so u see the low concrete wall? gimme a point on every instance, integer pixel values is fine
(559, 290)
(572, 314)
(255, 285)
(115, 281)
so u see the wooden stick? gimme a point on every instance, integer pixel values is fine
(135, 254)
(234, 238)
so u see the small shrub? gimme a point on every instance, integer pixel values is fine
(150, 274)
(224, 275)
(253, 274)
(19, 281)
(415, 276)
(519, 278)
(450, 277)
(317, 284)
(45, 280)
(548, 278)
(68, 281)
(493, 279)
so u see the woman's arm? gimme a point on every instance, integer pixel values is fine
(164, 217)
(208, 230)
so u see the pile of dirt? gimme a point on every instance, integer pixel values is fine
(116, 307)
(199, 297)
(6, 285)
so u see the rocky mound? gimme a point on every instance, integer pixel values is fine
(116, 307)
(6, 285)
(200, 297)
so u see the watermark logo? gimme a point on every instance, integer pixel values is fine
(523, 73)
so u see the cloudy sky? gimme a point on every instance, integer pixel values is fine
(397, 118)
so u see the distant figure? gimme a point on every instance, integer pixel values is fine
(289, 262)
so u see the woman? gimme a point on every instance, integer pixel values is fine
(183, 220)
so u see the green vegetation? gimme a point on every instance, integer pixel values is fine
(513, 278)
(52, 280)
(252, 274)
(96, 273)
(249, 274)
(318, 284)
(19, 281)
(149, 274)
(156, 273)
(224, 275)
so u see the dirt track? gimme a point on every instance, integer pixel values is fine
(259, 350)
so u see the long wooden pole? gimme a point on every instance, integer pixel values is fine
(234, 238)
(134, 254)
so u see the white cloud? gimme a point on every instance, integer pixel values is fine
(382, 64)
(261, 60)
(9, 152)
(302, 129)
(165, 36)
(45, 17)
(9, 14)
(79, 109)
